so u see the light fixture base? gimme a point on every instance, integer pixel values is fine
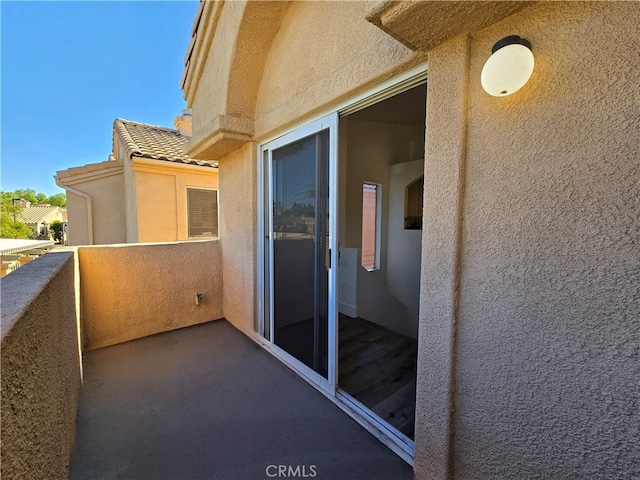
(510, 40)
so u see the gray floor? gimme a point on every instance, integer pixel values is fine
(207, 403)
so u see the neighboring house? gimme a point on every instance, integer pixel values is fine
(517, 281)
(148, 190)
(40, 217)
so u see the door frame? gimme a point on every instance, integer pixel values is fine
(388, 435)
(266, 253)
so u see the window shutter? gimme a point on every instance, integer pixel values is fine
(202, 211)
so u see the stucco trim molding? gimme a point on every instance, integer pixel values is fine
(143, 164)
(228, 133)
(426, 24)
(203, 32)
(88, 173)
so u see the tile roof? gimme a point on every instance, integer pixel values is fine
(158, 143)
(35, 213)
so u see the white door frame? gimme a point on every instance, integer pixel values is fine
(387, 434)
(265, 245)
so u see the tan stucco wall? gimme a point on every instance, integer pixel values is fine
(161, 192)
(78, 225)
(530, 275)
(41, 372)
(541, 274)
(107, 211)
(313, 64)
(131, 291)
(238, 218)
(284, 65)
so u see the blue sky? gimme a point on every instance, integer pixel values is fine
(70, 68)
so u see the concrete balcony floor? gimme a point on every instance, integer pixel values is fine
(205, 402)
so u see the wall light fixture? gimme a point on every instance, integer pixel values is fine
(509, 67)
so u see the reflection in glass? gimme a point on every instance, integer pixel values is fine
(300, 250)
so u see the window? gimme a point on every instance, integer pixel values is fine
(370, 225)
(413, 205)
(202, 212)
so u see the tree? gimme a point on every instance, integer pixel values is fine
(10, 228)
(28, 194)
(56, 227)
(59, 200)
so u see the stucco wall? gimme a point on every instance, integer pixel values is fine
(238, 236)
(529, 295)
(161, 191)
(41, 372)
(107, 211)
(131, 291)
(274, 63)
(531, 254)
(78, 225)
(312, 64)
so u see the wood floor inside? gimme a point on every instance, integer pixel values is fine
(378, 368)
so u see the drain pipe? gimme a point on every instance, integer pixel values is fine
(87, 199)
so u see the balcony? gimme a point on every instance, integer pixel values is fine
(111, 370)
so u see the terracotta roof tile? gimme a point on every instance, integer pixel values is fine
(158, 143)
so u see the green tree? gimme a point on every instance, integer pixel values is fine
(9, 227)
(29, 194)
(56, 228)
(59, 200)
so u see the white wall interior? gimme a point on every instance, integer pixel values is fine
(384, 144)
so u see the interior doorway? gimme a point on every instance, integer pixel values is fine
(341, 217)
(381, 174)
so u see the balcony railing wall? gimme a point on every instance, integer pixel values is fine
(137, 290)
(41, 367)
(84, 298)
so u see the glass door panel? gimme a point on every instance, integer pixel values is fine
(301, 255)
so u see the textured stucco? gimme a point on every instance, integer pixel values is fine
(315, 64)
(238, 236)
(161, 197)
(106, 220)
(528, 342)
(238, 38)
(41, 370)
(273, 63)
(146, 196)
(132, 291)
(424, 25)
(547, 313)
(443, 186)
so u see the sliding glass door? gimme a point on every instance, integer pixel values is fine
(299, 309)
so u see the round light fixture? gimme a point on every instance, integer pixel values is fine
(508, 68)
